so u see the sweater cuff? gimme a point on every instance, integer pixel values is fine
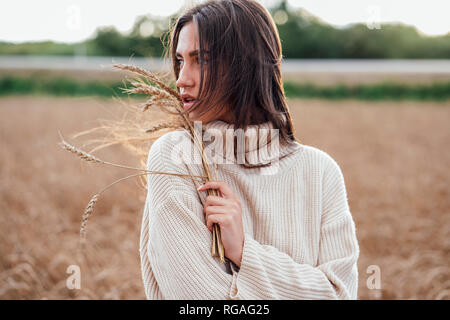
(242, 280)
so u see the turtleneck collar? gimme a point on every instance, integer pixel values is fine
(260, 142)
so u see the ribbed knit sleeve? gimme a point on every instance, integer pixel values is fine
(267, 273)
(175, 242)
(175, 245)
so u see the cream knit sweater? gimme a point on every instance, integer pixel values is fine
(299, 235)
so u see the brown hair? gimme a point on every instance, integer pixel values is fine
(238, 39)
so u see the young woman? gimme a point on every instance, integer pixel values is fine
(284, 218)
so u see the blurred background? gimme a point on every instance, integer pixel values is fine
(367, 81)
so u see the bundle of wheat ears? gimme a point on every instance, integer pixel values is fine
(131, 135)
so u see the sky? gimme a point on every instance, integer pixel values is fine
(76, 20)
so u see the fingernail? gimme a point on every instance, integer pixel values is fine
(200, 187)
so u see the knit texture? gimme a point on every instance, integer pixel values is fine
(299, 235)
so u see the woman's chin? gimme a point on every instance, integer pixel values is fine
(192, 117)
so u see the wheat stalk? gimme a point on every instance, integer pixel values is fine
(87, 212)
(217, 246)
(164, 103)
(141, 87)
(90, 207)
(162, 125)
(169, 101)
(150, 76)
(89, 157)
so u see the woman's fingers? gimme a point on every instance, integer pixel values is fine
(215, 201)
(215, 210)
(221, 219)
(219, 185)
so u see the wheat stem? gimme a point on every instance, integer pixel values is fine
(90, 207)
(162, 125)
(166, 98)
(89, 157)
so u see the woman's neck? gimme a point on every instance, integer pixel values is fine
(255, 119)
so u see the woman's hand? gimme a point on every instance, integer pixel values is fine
(227, 212)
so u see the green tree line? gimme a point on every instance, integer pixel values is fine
(302, 36)
(64, 86)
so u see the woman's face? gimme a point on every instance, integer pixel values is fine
(189, 77)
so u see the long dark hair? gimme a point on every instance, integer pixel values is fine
(240, 47)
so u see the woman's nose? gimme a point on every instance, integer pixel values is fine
(185, 78)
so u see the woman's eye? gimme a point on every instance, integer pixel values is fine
(179, 61)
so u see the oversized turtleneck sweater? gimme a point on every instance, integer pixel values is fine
(299, 235)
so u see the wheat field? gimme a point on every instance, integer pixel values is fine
(394, 157)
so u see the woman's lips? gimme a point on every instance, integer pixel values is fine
(189, 104)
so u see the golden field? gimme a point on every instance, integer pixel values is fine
(394, 157)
